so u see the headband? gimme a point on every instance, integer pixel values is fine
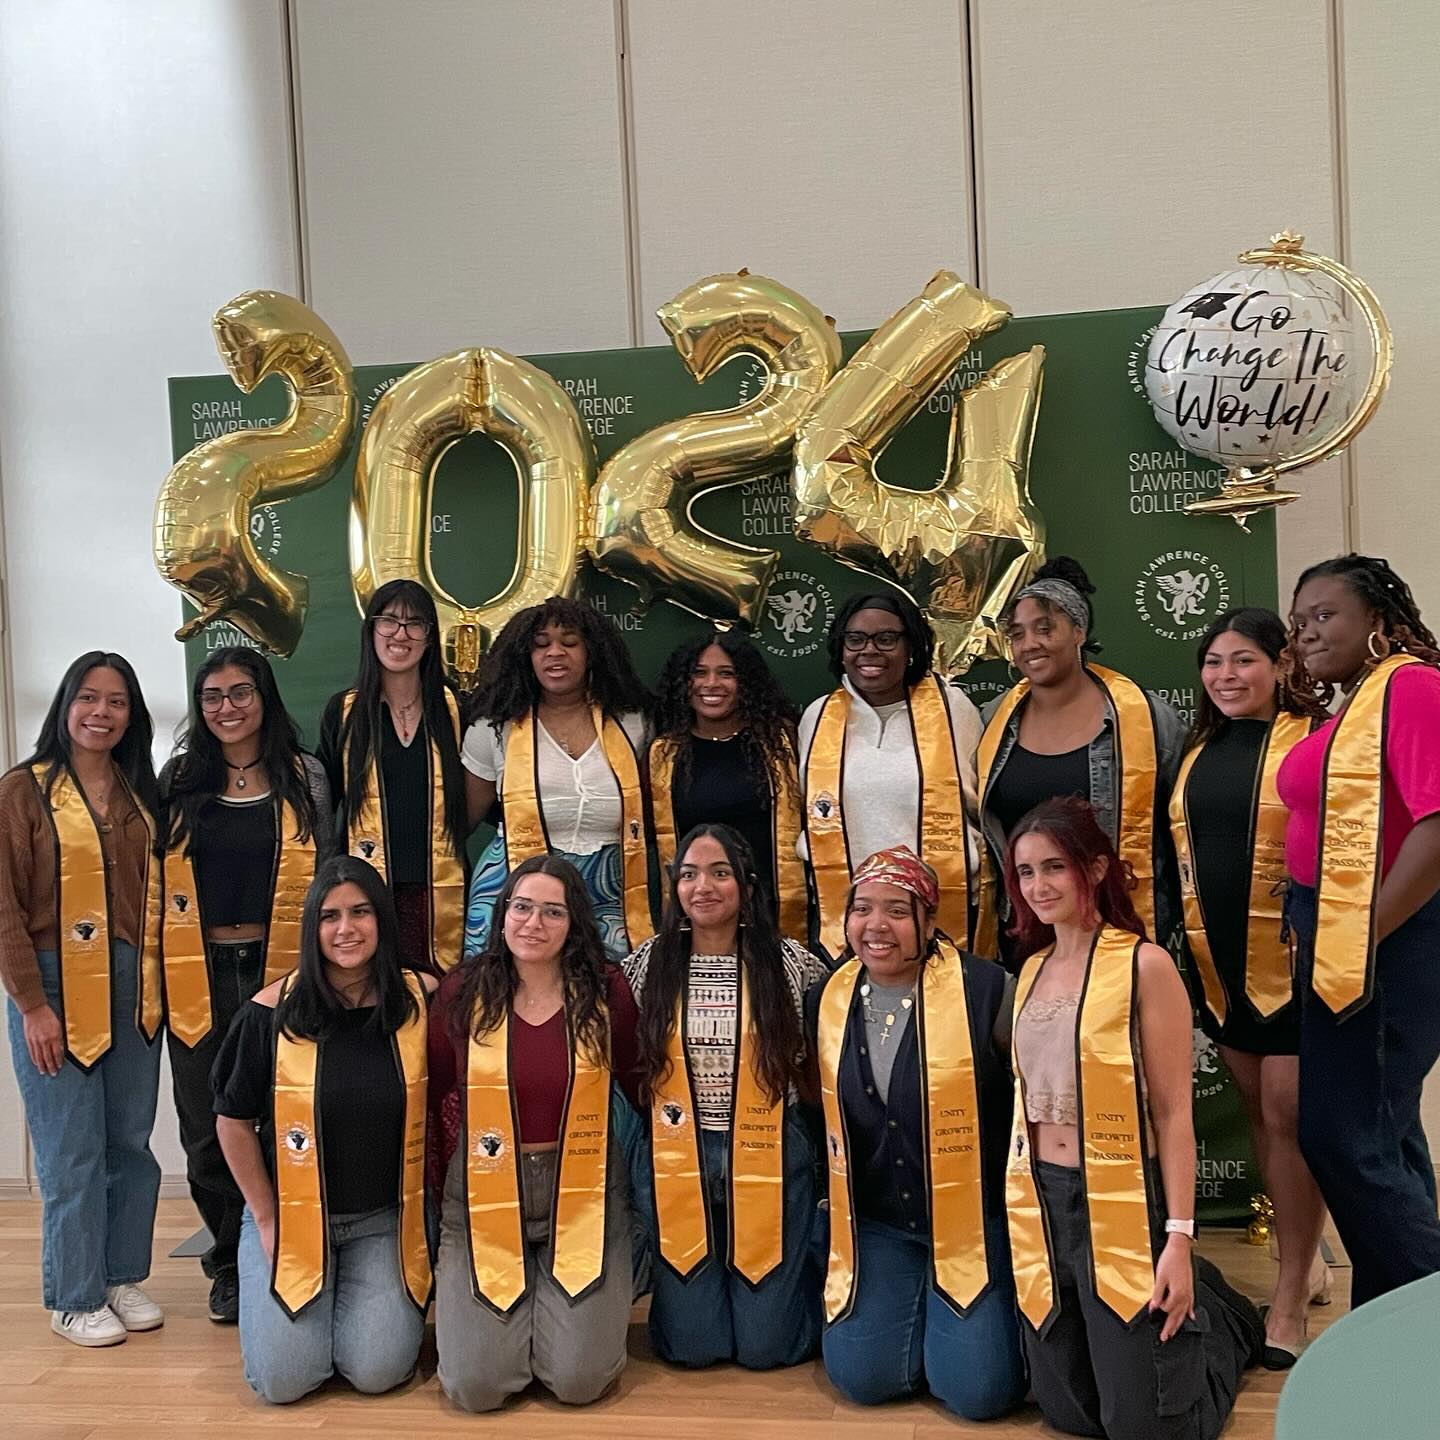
(1061, 593)
(902, 867)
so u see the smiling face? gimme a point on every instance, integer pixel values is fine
(707, 886)
(537, 920)
(1239, 677)
(876, 672)
(99, 714)
(1044, 643)
(1053, 888)
(561, 662)
(882, 932)
(714, 687)
(348, 930)
(231, 722)
(1333, 626)
(404, 649)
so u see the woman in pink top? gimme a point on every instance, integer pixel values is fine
(1370, 1009)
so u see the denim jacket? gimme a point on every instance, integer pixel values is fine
(1170, 732)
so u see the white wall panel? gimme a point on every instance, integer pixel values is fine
(463, 177)
(144, 181)
(823, 142)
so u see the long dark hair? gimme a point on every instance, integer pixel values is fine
(359, 735)
(131, 755)
(507, 688)
(488, 980)
(1265, 629)
(1070, 822)
(1072, 572)
(198, 772)
(766, 713)
(918, 634)
(313, 1005)
(1380, 589)
(779, 1043)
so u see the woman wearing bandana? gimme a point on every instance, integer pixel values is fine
(1072, 727)
(910, 1037)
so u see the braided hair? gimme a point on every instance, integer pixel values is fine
(1377, 586)
(766, 714)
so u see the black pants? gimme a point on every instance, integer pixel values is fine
(1094, 1375)
(1360, 1083)
(236, 973)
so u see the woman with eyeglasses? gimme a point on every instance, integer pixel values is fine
(527, 1038)
(887, 759)
(723, 753)
(558, 726)
(391, 749)
(80, 957)
(245, 814)
(727, 1187)
(1072, 727)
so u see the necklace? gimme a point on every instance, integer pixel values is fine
(905, 1003)
(240, 783)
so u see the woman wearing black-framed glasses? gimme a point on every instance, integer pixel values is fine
(887, 759)
(391, 748)
(245, 816)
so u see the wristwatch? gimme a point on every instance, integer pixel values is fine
(1180, 1227)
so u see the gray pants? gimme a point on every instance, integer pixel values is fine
(1093, 1375)
(576, 1351)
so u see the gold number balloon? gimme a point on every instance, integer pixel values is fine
(202, 519)
(414, 423)
(961, 549)
(644, 529)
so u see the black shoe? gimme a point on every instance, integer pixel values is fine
(225, 1296)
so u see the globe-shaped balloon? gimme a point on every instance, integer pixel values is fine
(1268, 367)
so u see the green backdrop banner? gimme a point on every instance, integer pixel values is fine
(1109, 482)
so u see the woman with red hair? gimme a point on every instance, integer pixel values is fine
(1128, 1333)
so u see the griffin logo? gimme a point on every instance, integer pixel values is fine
(1179, 592)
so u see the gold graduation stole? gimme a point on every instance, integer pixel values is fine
(187, 973)
(1351, 849)
(951, 1101)
(82, 919)
(301, 1222)
(1137, 766)
(492, 1175)
(789, 870)
(368, 841)
(941, 837)
(1267, 958)
(757, 1160)
(524, 826)
(1112, 1136)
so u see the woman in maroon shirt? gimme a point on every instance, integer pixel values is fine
(534, 1275)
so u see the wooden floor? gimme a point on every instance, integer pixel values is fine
(185, 1381)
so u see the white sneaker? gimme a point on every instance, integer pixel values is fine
(88, 1327)
(136, 1310)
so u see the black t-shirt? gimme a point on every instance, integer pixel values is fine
(404, 788)
(234, 858)
(360, 1107)
(721, 788)
(1027, 779)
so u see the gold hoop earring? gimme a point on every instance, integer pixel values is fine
(1370, 640)
(1012, 672)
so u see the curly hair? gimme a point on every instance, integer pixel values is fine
(1072, 572)
(1070, 822)
(779, 1041)
(507, 688)
(766, 714)
(1379, 588)
(918, 634)
(1266, 629)
(488, 981)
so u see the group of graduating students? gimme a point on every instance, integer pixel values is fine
(852, 1031)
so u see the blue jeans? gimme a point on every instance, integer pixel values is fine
(91, 1137)
(363, 1323)
(716, 1315)
(900, 1336)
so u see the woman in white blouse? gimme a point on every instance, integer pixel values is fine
(888, 759)
(557, 727)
